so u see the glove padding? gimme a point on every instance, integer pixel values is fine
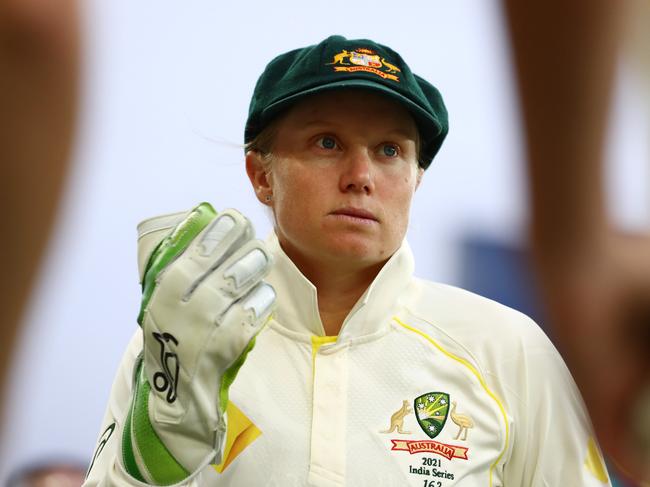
(203, 303)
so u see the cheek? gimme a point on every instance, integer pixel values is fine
(399, 192)
(289, 197)
(284, 185)
(399, 205)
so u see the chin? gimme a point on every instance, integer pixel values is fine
(357, 250)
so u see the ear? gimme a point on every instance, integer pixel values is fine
(259, 175)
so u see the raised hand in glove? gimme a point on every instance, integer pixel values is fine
(203, 303)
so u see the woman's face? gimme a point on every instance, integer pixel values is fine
(342, 176)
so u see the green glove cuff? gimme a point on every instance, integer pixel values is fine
(144, 456)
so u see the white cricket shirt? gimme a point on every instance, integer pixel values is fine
(426, 385)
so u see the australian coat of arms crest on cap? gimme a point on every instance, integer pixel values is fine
(366, 60)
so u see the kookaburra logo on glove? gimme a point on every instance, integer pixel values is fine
(167, 380)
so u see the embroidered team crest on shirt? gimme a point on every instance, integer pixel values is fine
(431, 411)
(366, 60)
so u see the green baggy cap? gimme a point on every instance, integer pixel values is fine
(340, 63)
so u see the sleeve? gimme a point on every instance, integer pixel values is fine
(105, 468)
(553, 441)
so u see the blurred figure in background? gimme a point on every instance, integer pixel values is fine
(39, 62)
(48, 474)
(595, 281)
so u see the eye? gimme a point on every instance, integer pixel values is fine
(327, 142)
(390, 150)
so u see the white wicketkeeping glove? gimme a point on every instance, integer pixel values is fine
(203, 303)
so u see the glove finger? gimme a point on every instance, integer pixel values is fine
(203, 300)
(241, 322)
(234, 278)
(248, 266)
(205, 253)
(260, 301)
(227, 232)
(213, 247)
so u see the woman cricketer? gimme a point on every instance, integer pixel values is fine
(316, 358)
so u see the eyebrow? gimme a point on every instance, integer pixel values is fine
(333, 124)
(403, 134)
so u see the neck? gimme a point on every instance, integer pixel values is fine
(338, 293)
(339, 288)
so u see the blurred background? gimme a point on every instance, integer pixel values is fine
(165, 94)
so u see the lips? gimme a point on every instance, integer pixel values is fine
(358, 213)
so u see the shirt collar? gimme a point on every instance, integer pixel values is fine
(297, 306)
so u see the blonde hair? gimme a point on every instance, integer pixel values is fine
(263, 142)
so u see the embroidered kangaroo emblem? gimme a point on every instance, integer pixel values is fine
(397, 419)
(340, 57)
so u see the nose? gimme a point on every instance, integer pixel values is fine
(357, 173)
